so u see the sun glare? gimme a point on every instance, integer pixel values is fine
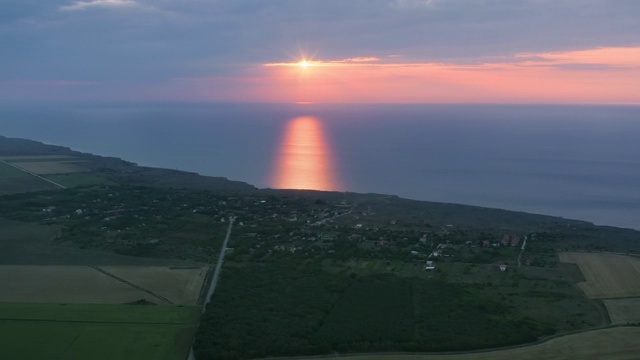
(305, 159)
(303, 64)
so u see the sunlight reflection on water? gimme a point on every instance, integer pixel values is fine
(305, 159)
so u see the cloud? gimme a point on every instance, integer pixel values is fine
(598, 75)
(613, 57)
(404, 4)
(597, 58)
(105, 4)
(55, 83)
(361, 59)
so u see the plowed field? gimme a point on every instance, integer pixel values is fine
(609, 276)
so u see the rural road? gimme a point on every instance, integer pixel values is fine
(214, 278)
(216, 273)
(524, 243)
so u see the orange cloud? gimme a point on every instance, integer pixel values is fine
(604, 75)
(358, 59)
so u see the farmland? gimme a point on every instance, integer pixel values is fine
(87, 285)
(608, 276)
(623, 311)
(79, 179)
(17, 173)
(610, 344)
(39, 331)
(13, 180)
(12, 158)
(51, 167)
(78, 308)
(181, 285)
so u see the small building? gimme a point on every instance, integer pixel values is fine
(503, 267)
(429, 265)
(515, 240)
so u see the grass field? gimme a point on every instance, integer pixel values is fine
(78, 179)
(25, 243)
(7, 171)
(623, 311)
(36, 157)
(51, 167)
(180, 285)
(608, 276)
(12, 231)
(48, 331)
(85, 285)
(13, 180)
(64, 170)
(607, 344)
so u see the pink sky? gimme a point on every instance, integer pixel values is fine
(603, 75)
(592, 76)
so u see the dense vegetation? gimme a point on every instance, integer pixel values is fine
(274, 309)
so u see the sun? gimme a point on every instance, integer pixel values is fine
(304, 64)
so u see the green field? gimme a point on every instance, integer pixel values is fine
(78, 179)
(13, 180)
(58, 331)
(39, 159)
(8, 171)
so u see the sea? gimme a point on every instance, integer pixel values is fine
(577, 162)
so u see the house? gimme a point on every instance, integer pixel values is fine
(505, 240)
(429, 265)
(515, 240)
(503, 267)
(486, 243)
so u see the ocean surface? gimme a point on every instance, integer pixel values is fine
(580, 162)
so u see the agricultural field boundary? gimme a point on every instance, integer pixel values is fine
(623, 311)
(36, 175)
(607, 343)
(608, 276)
(124, 281)
(69, 284)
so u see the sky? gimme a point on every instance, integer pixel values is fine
(323, 51)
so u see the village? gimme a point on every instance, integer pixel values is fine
(148, 222)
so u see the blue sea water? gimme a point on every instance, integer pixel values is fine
(580, 162)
